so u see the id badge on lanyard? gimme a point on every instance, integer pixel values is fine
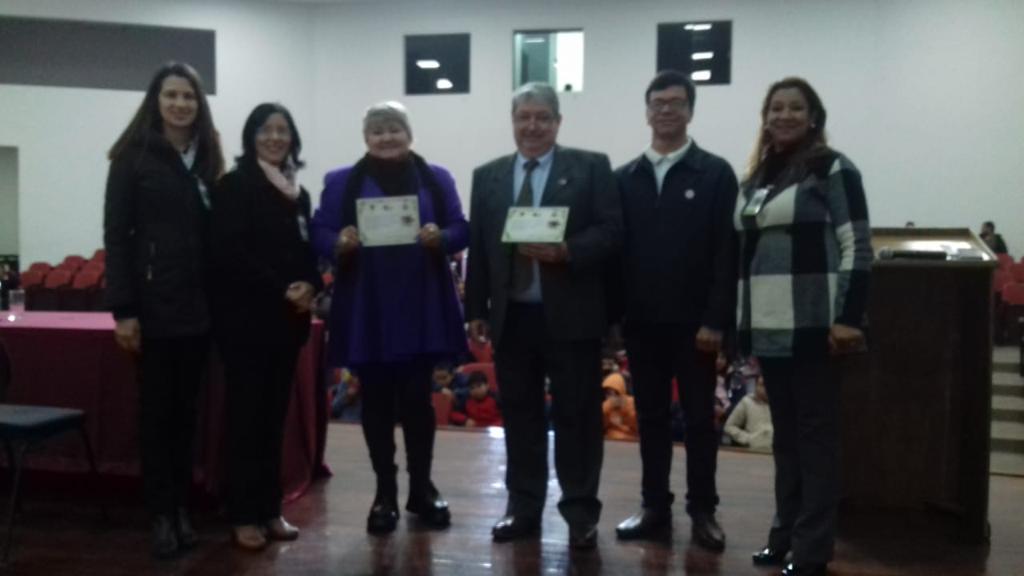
(756, 202)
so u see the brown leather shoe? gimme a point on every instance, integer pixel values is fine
(250, 537)
(280, 529)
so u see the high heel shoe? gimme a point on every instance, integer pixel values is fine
(249, 537)
(279, 529)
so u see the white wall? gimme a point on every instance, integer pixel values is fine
(923, 95)
(8, 200)
(64, 134)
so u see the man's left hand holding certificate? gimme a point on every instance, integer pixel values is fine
(390, 221)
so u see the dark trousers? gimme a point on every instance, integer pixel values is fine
(522, 359)
(259, 374)
(171, 370)
(392, 393)
(657, 354)
(804, 399)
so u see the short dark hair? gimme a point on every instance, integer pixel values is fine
(669, 78)
(475, 378)
(444, 365)
(257, 118)
(989, 224)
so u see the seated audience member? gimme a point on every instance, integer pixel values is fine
(722, 404)
(619, 409)
(480, 408)
(995, 241)
(346, 399)
(750, 424)
(447, 381)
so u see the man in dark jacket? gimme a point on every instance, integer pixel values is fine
(677, 289)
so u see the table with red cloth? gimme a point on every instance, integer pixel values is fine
(70, 359)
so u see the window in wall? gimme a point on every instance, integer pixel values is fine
(701, 49)
(437, 64)
(551, 56)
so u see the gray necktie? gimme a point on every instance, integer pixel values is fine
(522, 267)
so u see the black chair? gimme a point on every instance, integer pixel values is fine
(22, 427)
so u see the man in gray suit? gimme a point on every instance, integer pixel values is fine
(544, 307)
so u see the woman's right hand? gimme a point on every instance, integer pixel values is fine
(348, 241)
(128, 334)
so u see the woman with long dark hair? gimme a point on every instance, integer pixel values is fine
(394, 312)
(265, 280)
(162, 168)
(804, 267)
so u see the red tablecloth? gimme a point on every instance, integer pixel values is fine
(69, 359)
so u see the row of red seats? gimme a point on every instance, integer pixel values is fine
(74, 284)
(1008, 286)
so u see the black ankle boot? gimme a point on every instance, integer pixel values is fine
(383, 517)
(164, 541)
(428, 505)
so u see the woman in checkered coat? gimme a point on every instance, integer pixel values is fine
(804, 266)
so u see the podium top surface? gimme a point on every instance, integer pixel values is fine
(930, 247)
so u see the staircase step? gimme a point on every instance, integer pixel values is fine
(1006, 354)
(1008, 437)
(1007, 463)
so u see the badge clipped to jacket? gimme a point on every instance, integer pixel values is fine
(756, 202)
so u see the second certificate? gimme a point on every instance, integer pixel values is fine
(390, 221)
(541, 225)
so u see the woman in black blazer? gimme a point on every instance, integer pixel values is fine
(155, 234)
(266, 277)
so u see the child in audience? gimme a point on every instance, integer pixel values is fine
(346, 402)
(450, 383)
(480, 408)
(750, 424)
(619, 409)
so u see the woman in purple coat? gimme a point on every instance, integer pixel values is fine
(394, 311)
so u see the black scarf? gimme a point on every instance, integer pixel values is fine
(395, 178)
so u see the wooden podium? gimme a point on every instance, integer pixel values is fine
(916, 408)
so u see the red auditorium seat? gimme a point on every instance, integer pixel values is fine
(442, 408)
(40, 267)
(84, 294)
(74, 259)
(1005, 260)
(51, 294)
(1013, 311)
(486, 367)
(31, 278)
(1018, 273)
(100, 255)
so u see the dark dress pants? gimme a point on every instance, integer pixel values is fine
(523, 357)
(804, 400)
(395, 392)
(657, 353)
(259, 367)
(171, 370)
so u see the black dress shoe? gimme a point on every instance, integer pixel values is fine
(769, 556)
(187, 537)
(707, 533)
(515, 528)
(792, 569)
(165, 542)
(647, 524)
(431, 509)
(383, 517)
(583, 537)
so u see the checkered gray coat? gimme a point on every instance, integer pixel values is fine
(805, 258)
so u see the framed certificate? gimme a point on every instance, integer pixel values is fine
(535, 225)
(390, 221)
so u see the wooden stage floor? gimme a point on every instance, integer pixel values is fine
(67, 537)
